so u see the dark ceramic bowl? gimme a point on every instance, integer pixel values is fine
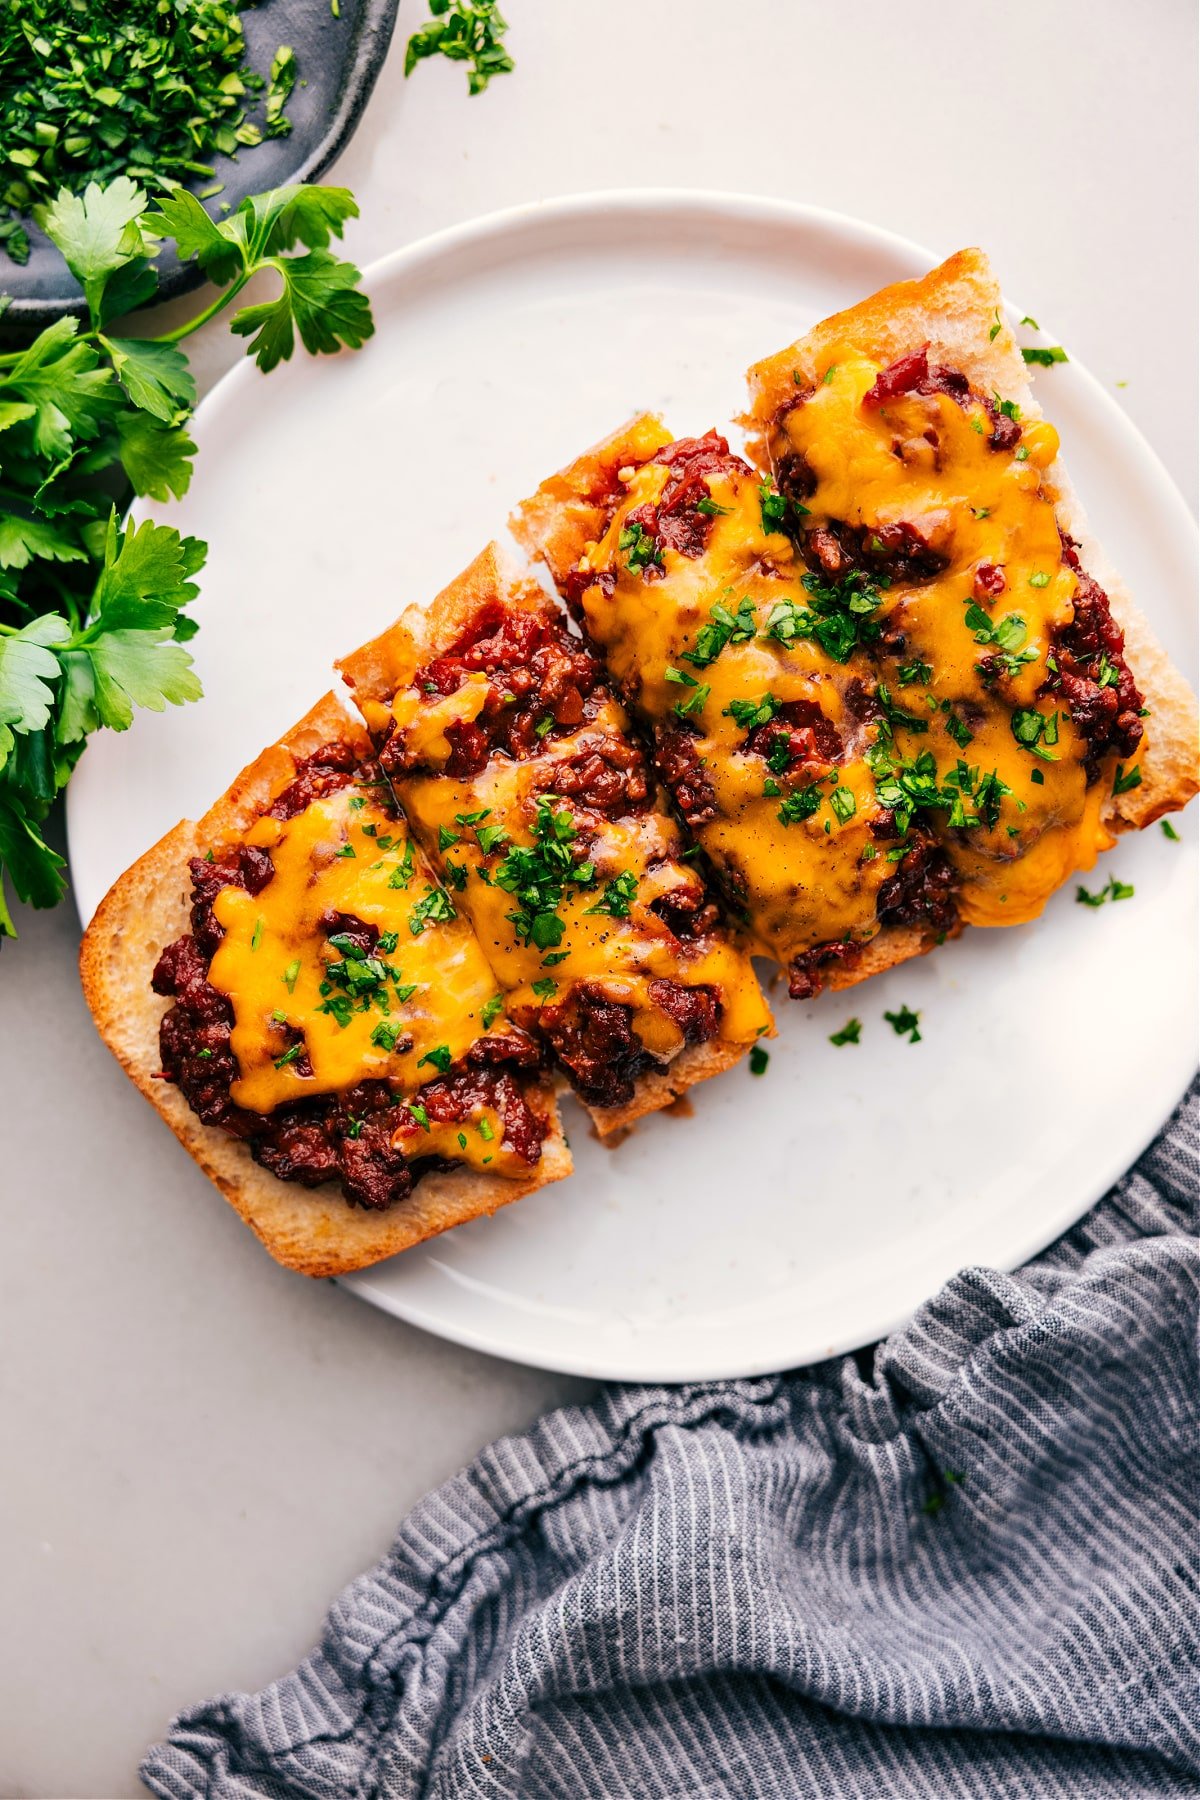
(338, 58)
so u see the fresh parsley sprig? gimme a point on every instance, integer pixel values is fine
(92, 619)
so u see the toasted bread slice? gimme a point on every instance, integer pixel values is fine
(386, 666)
(955, 310)
(568, 513)
(313, 1231)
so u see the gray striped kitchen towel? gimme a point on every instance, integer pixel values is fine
(969, 1569)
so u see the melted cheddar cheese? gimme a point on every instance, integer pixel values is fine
(618, 952)
(802, 883)
(404, 1016)
(925, 461)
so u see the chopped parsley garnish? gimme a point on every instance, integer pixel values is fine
(491, 837)
(726, 628)
(959, 730)
(619, 894)
(829, 374)
(773, 506)
(386, 1035)
(915, 671)
(470, 31)
(905, 1023)
(486, 1130)
(1033, 730)
(1032, 323)
(435, 905)
(491, 1011)
(843, 803)
(1168, 830)
(758, 1060)
(801, 803)
(538, 875)
(1112, 890)
(1123, 782)
(1107, 674)
(996, 329)
(387, 943)
(751, 713)
(851, 1033)
(290, 1056)
(840, 616)
(456, 875)
(710, 509)
(473, 818)
(544, 725)
(419, 1114)
(1039, 579)
(906, 785)
(256, 935)
(695, 700)
(895, 715)
(291, 975)
(1008, 409)
(544, 988)
(641, 549)
(439, 1057)
(447, 838)
(1044, 358)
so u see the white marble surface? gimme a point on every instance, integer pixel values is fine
(200, 1449)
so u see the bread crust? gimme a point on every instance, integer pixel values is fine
(313, 1231)
(374, 672)
(954, 309)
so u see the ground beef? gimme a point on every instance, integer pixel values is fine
(799, 733)
(686, 911)
(912, 375)
(896, 551)
(689, 462)
(609, 775)
(806, 972)
(537, 673)
(678, 762)
(1108, 715)
(593, 1036)
(921, 892)
(328, 769)
(345, 1137)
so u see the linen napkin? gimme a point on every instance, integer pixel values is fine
(964, 1566)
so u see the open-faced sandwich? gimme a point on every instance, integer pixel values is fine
(875, 674)
(292, 987)
(892, 684)
(517, 767)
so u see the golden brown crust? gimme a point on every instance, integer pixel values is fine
(374, 673)
(312, 1231)
(953, 309)
(568, 509)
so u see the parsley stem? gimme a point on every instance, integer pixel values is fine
(210, 312)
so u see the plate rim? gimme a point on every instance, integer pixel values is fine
(432, 248)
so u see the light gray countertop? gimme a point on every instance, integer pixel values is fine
(200, 1449)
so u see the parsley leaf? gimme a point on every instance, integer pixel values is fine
(905, 1023)
(851, 1033)
(470, 31)
(92, 619)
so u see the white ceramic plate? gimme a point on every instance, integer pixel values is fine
(810, 1210)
